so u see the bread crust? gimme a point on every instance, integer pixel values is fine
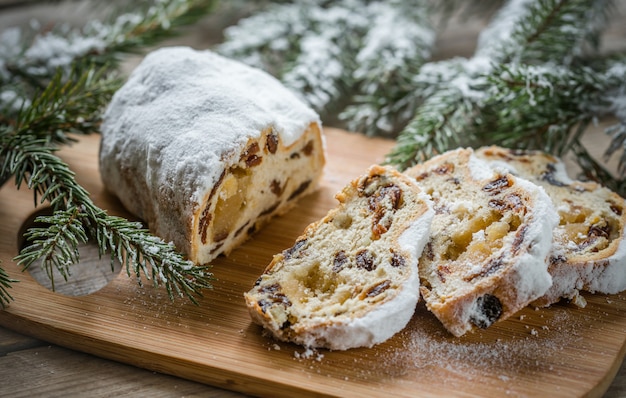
(588, 251)
(485, 259)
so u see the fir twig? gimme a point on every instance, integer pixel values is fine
(76, 218)
(351, 59)
(5, 283)
(50, 92)
(529, 85)
(37, 58)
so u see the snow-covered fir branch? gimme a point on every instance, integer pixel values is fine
(30, 56)
(535, 80)
(355, 56)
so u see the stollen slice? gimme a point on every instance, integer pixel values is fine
(350, 280)
(588, 249)
(486, 256)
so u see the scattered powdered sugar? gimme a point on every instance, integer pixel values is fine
(425, 346)
(537, 346)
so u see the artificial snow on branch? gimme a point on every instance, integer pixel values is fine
(349, 59)
(536, 79)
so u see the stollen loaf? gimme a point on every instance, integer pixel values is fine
(205, 149)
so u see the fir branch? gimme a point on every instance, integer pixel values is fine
(532, 87)
(535, 32)
(433, 129)
(68, 105)
(55, 84)
(76, 218)
(454, 94)
(5, 283)
(29, 61)
(384, 97)
(539, 106)
(352, 58)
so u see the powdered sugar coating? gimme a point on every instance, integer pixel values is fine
(529, 274)
(535, 280)
(611, 278)
(180, 95)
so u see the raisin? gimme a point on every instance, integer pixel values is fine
(293, 250)
(548, 176)
(599, 231)
(444, 168)
(378, 288)
(489, 310)
(514, 202)
(339, 261)
(397, 260)
(264, 304)
(240, 230)
(308, 148)
(490, 268)
(379, 228)
(497, 204)
(271, 143)
(206, 217)
(365, 260)
(368, 185)
(250, 157)
(511, 201)
(217, 248)
(294, 155)
(616, 209)
(497, 185)
(422, 176)
(273, 298)
(442, 272)
(394, 193)
(220, 237)
(270, 209)
(298, 191)
(519, 238)
(273, 288)
(252, 149)
(559, 259)
(276, 188)
(375, 202)
(253, 160)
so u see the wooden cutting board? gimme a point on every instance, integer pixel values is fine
(559, 351)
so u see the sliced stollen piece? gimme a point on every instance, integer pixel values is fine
(351, 279)
(206, 149)
(486, 257)
(588, 248)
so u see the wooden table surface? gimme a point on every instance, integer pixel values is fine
(31, 367)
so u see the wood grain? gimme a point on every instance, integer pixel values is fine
(560, 351)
